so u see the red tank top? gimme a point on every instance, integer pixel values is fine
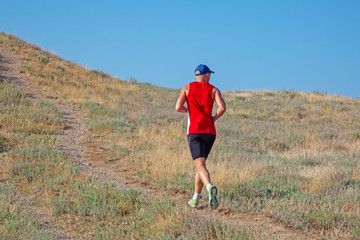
(200, 104)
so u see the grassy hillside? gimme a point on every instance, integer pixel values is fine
(36, 169)
(289, 155)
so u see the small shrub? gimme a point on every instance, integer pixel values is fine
(38, 73)
(307, 161)
(95, 109)
(28, 171)
(43, 59)
(50, 76)
(10, 95)
(71, 83)
(60, 69)
(25, 67)
(94, 72)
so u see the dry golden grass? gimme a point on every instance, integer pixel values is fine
(356, 174)
(67, 81)
(285, 135)
(316, 97)
(320, 177)
(225, 173)
(161, 159)
(164, 221)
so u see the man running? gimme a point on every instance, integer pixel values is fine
(201, 132)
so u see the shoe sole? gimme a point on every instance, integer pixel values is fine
(214, 204)
(213, 192)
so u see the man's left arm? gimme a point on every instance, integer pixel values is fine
(221, 105)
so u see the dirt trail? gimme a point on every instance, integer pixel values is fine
(72, 142)
(10, 71)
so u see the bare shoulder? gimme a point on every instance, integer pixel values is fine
(215, 90)
(186, 88)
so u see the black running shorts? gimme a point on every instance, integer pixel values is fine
(200, 144)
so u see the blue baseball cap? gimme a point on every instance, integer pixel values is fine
(202, 69)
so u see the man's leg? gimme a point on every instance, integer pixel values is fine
(204, 176)
(201, 173)
(198, 183)
(194, 201)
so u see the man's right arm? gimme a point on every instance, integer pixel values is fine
(179, 107)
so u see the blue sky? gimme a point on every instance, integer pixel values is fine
(303, 45)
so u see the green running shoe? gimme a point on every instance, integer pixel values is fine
(193, 203)
(213, 202)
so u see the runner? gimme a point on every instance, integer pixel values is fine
(201, 132)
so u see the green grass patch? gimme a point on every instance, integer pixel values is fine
(16, 223)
